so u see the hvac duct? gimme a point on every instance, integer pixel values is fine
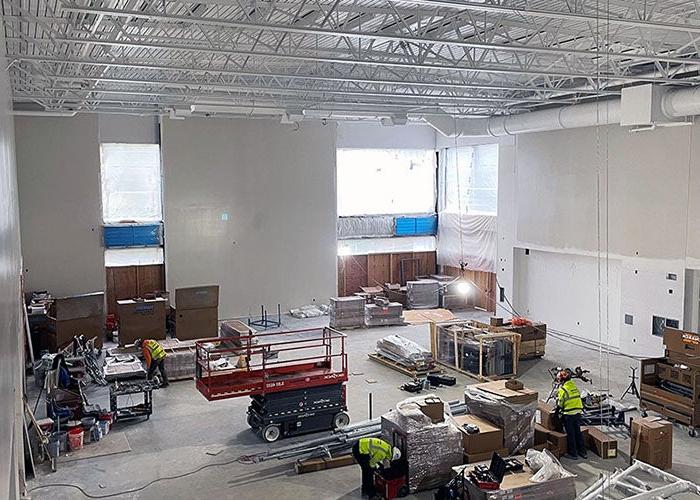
(672, 104)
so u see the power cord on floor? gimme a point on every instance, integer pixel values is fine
(242, 459)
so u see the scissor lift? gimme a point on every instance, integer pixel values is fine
(296, 379)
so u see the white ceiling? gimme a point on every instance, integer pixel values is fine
(341, 58)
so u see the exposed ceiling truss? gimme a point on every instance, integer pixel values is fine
(342, 58)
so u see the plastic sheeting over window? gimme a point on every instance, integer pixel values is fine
(385, 181)
(467, 203)
(468, 179)
(131, 182)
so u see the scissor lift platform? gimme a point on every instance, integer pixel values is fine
(295, 379)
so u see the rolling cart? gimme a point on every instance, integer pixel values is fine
(298, 390)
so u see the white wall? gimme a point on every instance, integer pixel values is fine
(11, 323)
(649, 192)
(250, 205)
(58, 168)
(128, 129)
(373, 135)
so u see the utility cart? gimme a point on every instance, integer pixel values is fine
(295, 379)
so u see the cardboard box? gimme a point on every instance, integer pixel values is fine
(197, 297)
(141, 319)
(193, 324)
(652, 441)
(489, 437)
(434, 409)
(540, 435)
(76, 315)
(546, 416)
(600, 443)
(472, 458)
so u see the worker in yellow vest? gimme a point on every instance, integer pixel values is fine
(154, 354)
(370, 454)
(570, 406)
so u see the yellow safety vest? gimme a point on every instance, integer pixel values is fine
(569, 398)
(155, 349)
(377, 449)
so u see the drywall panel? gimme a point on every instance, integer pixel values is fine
(128, 129)
(505, 225)
(643, 186)
(373, 135)
(649, 287)
(11, 343)
(693, 177)
(562, 290)
(58, 168)
(250, 205)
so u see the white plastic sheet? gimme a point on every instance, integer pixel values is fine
(476, 245)
(376, 226)
(467, 199)
(131, 182)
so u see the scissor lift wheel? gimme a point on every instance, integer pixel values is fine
(271, 433)
(341, 420)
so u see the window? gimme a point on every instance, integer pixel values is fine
(131, 183)
(469, 180)
(385, 181)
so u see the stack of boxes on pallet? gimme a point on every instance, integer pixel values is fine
(533, 338)
(670, 385)
(347, 312)
(180, 360)
(423, 294)
(383, 312)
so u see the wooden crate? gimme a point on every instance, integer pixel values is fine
(472, 330)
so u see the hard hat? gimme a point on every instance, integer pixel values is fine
(397, 454)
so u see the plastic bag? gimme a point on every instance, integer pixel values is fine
(547, 467)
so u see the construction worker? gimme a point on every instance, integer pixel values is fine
(570, 407)
(154, 355)
(370, 454)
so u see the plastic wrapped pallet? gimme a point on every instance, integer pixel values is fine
(180, 363)
(423, 294)
(405, 352)
(347, 312)
(391, 314)
(430, 449)
(516, 419)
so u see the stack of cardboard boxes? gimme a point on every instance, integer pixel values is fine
(533, 339)
(479, 446)
(549, 434)
(75, 315)
(196, 312)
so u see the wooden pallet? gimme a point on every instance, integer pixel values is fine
(525, 357)
(399, 367)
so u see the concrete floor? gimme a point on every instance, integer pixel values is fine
(185, 426)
